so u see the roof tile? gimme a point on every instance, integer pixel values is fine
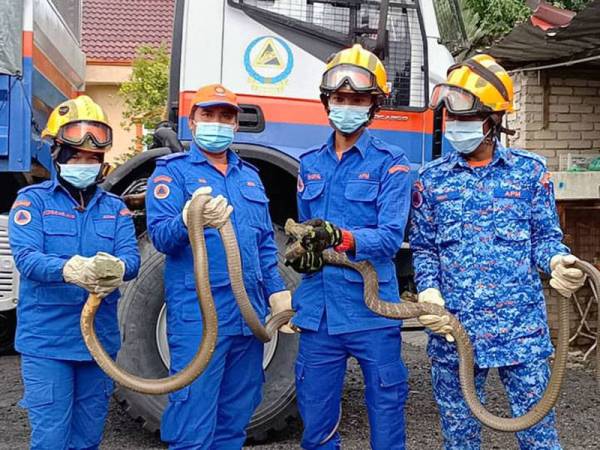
(113, 29)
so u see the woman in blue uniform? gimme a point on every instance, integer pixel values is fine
(61, 232)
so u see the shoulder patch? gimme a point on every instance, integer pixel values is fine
(161, 191)
(18, 203)
(546, 181)
(163, 160)
(125, 212)
(398, 168)
(300, 184)
(22, 217)
(163, 178)
(416, 199)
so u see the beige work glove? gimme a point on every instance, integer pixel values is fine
(566, 280)
(437, 324)
(216, 210)
(279, 302)
(109, 271)
(78, 271)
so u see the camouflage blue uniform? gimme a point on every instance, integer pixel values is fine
(479, 235)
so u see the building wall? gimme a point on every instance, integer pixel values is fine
(102, 85)
(556, 116)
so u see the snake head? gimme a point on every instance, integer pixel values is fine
(296, 233)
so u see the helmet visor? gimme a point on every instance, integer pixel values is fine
(359, 79)
(75, 133)
(457, 100)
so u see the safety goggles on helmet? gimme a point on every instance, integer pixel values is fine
(76, 133)
(359, 78)
(457, 100)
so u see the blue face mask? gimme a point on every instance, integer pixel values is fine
(348, 119)
(213, 137)
(80, 175)
(465, 136)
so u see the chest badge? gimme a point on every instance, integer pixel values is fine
(22, 217)
(300, 184)
(161, 191)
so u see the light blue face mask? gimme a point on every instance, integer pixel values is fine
(348, 119)
(213, 137)
(80, 175)
(465, 136)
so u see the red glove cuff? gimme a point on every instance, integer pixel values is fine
(347, 242)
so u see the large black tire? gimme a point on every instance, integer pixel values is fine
(139, 312)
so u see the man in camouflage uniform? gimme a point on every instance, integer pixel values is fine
(484, 222)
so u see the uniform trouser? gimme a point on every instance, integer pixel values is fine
(320, 370)
(67, 402)
(524, 384)
(213, 412)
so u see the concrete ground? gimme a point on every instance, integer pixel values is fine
(578, 412)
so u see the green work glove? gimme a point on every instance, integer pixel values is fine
(323, 235)
(309, 262)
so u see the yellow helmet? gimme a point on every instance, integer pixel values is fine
(81, 123)
(476, 85)
(357, 67)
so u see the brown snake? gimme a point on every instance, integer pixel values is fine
(207, 307)
(463, 343)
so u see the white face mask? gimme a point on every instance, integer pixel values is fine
(465, 136)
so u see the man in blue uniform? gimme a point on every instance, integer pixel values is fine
(484, 222)
(213, 412)
(61, 232)
(356, 189)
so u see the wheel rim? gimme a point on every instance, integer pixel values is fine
(163, 345)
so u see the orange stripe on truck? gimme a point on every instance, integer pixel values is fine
(49, 70)
(311, 112)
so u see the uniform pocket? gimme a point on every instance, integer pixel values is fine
(37, 393)
(448, 217)
(361, 208)
(60, 235)
(105, 235)
(255, 210)
(313, 196)
(512, 214)
(60, 294)
(392, 374)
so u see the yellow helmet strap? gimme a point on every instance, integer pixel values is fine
(484, 73)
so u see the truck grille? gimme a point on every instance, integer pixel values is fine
(8, 276)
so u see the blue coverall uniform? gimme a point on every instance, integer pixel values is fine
(480, 235)
(368, 193)
(66, 393)
(213, 411)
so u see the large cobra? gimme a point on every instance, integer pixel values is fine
(207, 307)
(463, 343)
(209, 321)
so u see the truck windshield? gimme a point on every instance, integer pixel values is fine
(345, 22)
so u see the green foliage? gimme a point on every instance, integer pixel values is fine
(573, 5)
(145, 94)
(497, 17)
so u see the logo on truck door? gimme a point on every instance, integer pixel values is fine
(269, 62)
